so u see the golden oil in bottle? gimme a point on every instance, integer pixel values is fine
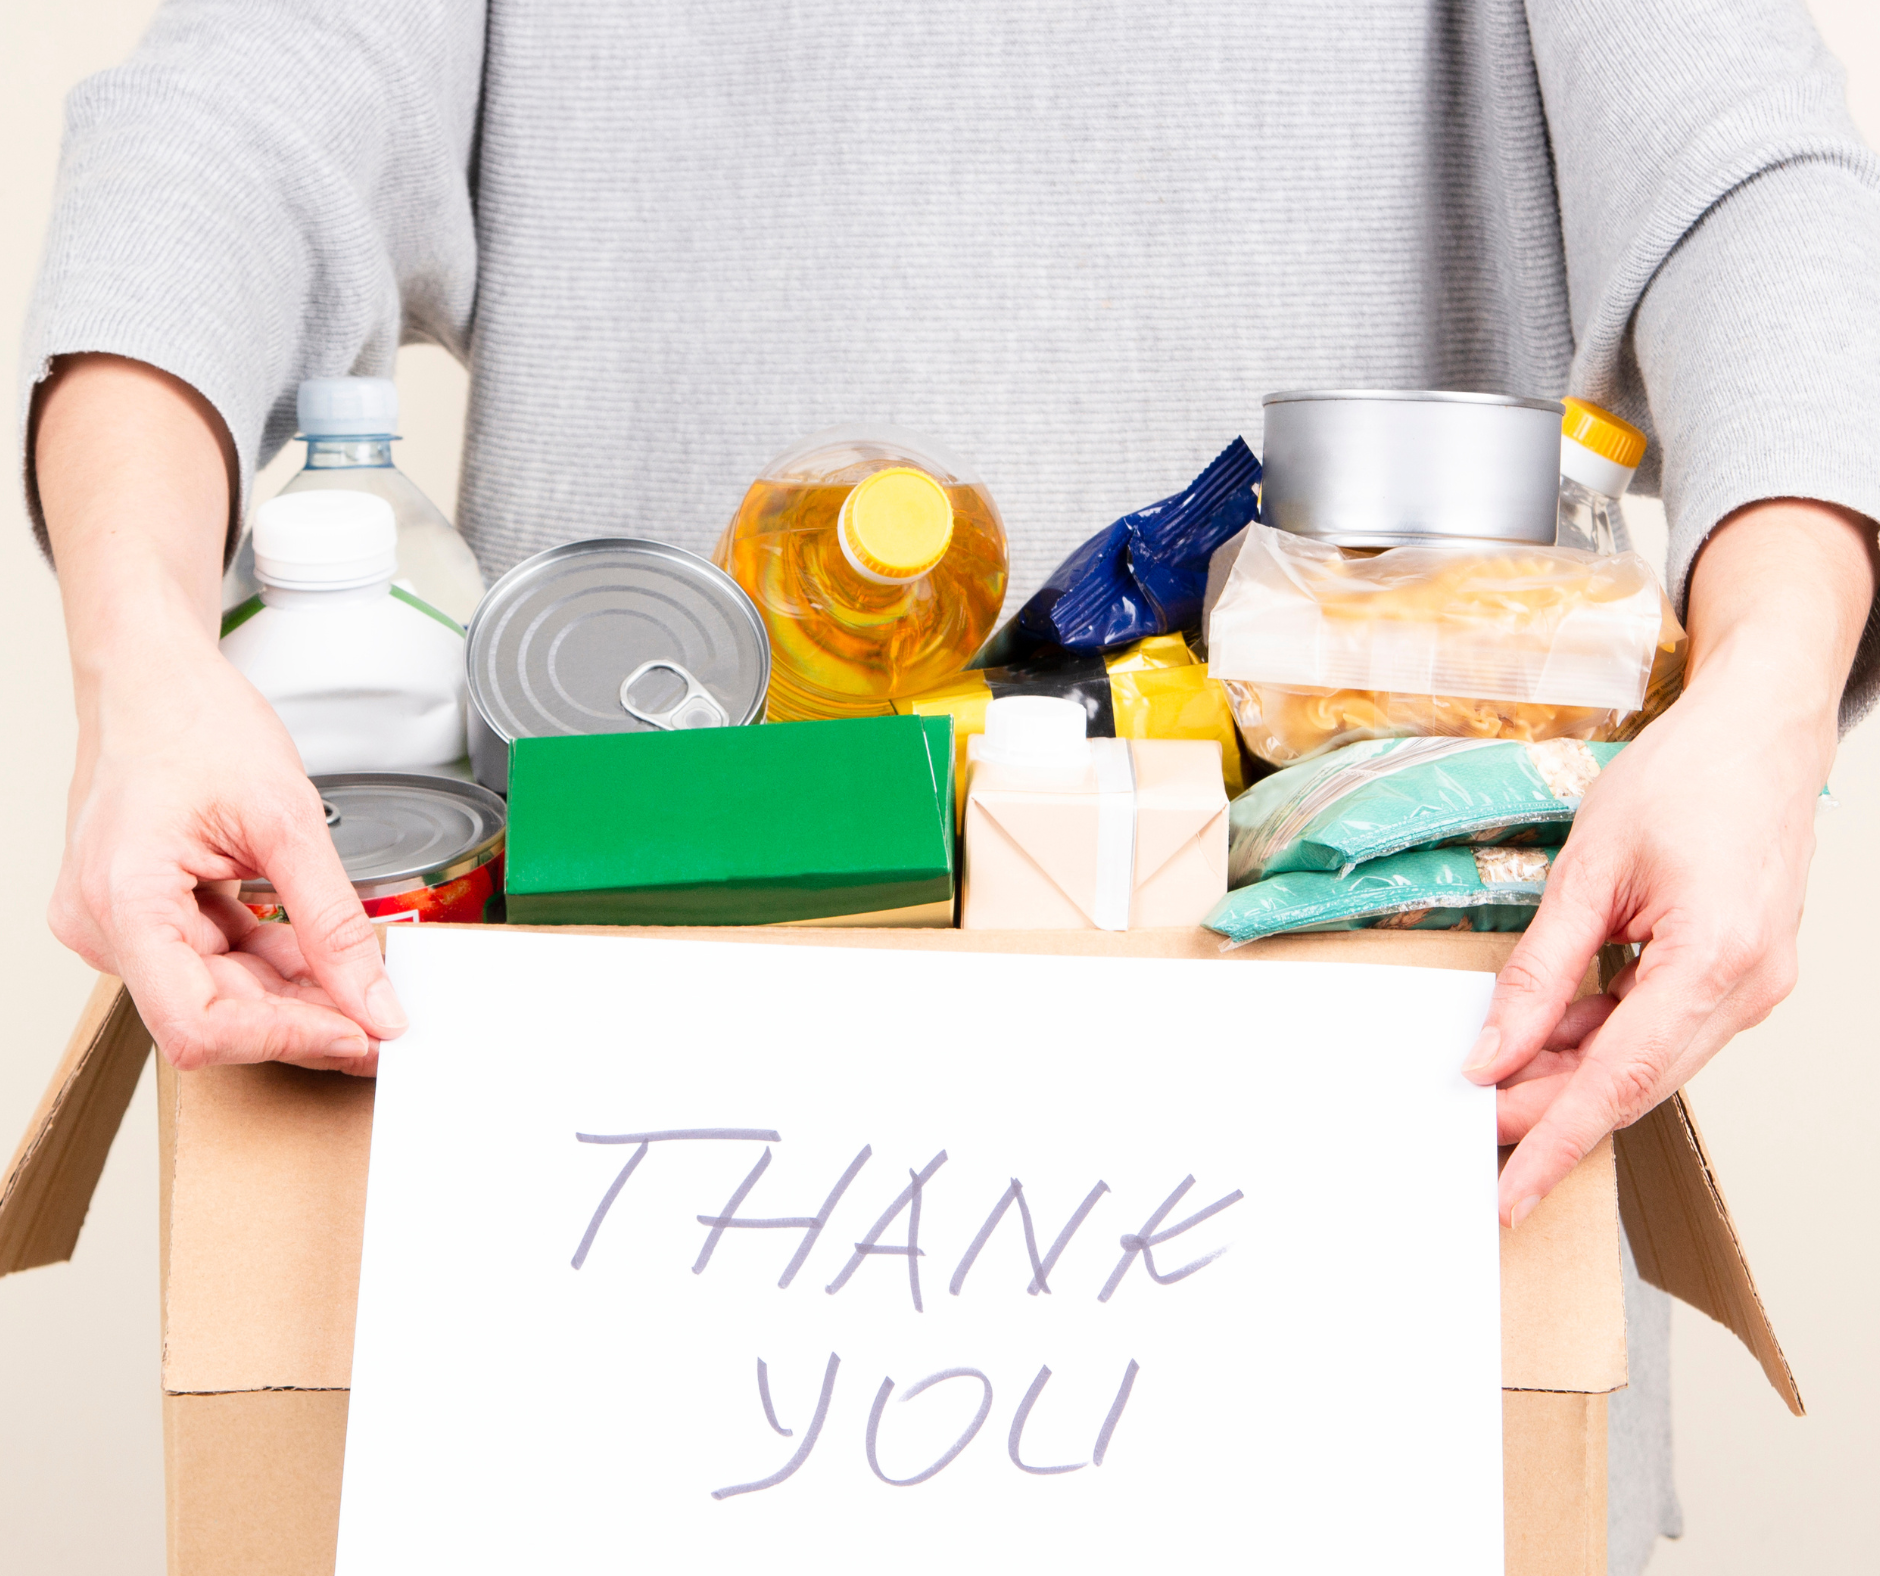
(878, 565)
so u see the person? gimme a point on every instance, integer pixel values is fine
(1075, 244)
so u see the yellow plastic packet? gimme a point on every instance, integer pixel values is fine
(1154, 689)
(1318, 650)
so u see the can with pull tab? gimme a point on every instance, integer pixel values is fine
(415, 848)
(614, 635)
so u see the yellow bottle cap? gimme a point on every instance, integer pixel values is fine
(1604, 433)
(896, 524)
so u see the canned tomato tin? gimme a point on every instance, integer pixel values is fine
(1402, 467)
(615, 635)
(416, 848)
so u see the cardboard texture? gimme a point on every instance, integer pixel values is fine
(715, 826)
(263, 1178)
(1034, 857)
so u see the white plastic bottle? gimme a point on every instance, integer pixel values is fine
(366, 676)
(1598, 455)
(349, 425)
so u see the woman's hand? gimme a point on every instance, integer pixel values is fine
(186, 782)
(1695, 844)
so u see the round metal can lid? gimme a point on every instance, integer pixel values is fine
(1417, 397)
(555, 639)
(391, 826)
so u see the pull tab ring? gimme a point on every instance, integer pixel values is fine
(696, 708)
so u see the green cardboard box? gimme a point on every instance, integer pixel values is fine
(779, 823)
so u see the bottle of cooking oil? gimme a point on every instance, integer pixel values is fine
(878, 564)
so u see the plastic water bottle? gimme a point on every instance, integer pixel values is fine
(1598, 455)
(366, 676)
(878, 564)
(349, 425)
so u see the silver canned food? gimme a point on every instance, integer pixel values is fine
(1398, 467)
(615, 635)
(415, 848)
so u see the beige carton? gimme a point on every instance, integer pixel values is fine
(1079, 853)
(263, 1197)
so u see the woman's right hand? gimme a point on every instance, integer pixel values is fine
(186, 781)
(184, 785)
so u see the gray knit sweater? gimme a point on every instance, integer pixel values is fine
(1075, 243)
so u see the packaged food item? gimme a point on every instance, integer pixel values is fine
(1319, 649)
(1436, 889)
(1599, 454)
(1387, 796)
(350, 425)
(877, 563)
(845, 822)
(1373, 468)
(1142, 575)
(1154, 689)
(417, 849)
(1067, 832)
(365, 675)
(613, 635)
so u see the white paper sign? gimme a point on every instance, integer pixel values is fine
(708, 1257)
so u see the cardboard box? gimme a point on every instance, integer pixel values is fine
(263, 1194)
(735, 826)
(1035, 857)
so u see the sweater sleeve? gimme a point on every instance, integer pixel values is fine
(1722, 225)
(267, 190)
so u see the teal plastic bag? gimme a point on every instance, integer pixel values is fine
(1388, 796)
(1435, 889)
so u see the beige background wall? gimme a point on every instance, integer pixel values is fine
(1789, 1109)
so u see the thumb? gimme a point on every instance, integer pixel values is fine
(295, 852)
(1540, 979)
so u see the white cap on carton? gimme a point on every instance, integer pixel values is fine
(330, 540)
(348, 408)
(1035, 730)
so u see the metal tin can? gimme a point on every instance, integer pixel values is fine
(615, 635)
(416, 848)
(1399, 467)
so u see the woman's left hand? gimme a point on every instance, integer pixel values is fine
(1694, 844)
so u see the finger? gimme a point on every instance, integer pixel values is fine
(154, 918)
(1519, 1107)
(274, 943)
(1636, 1059)
(1542, 975)
(1580, 1019)
(335, 937)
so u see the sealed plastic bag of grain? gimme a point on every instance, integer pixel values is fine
(1319, 648)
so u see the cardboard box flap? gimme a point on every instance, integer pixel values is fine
(47, 1189)
(1683, 1237)
(267, 1168)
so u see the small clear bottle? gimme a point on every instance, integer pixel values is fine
(349, 425)
(1598, 455)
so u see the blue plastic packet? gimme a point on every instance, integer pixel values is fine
(1143, 575)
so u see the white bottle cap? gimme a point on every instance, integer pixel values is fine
(1594, 471)
(348, 408)
(1035, 730)
(330, 540)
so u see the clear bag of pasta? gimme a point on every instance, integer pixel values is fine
(1319, 647)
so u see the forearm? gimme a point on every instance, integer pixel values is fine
(135, 475)
(1779, 597)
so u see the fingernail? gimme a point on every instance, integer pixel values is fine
(1482, 1052)
(1521, 1211)
(349, 1047)
(382, 1003)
